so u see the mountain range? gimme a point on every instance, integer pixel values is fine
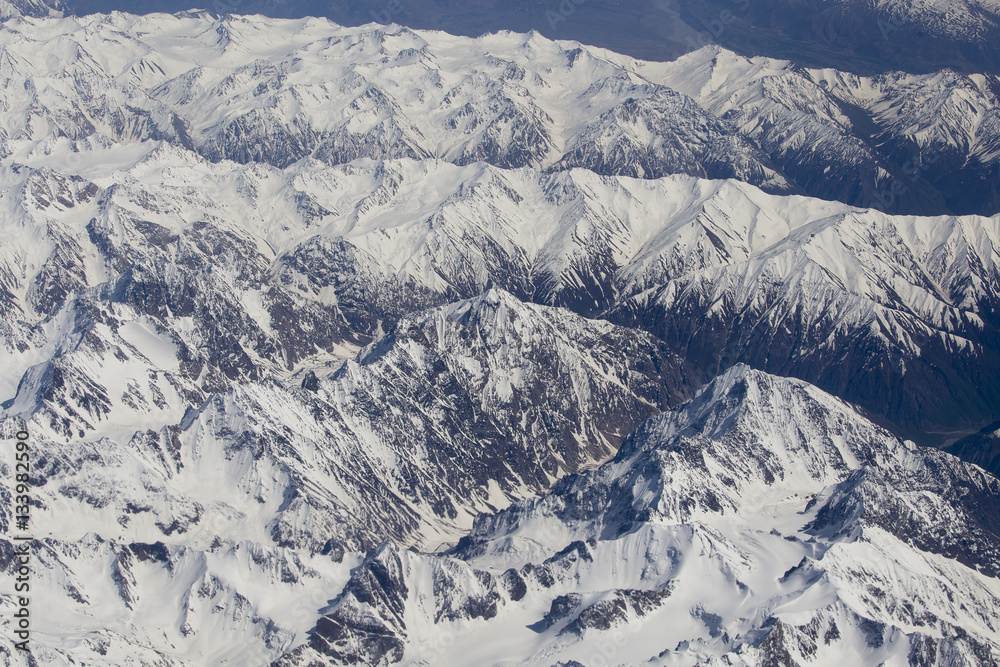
(862, 37)
(379, 345)
(265, 91)
(752, 525)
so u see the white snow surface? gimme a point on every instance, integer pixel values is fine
(428, 223)
(705, 541)
(251, 88)
(195, 495)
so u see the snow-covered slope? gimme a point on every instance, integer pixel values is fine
(856, 35)
(261, 90)
(277, 292)
(455, 411)
(452, 412)
(253, 89)
(893, 141)
(109, 602)
(34, 8)
(764, 522)
(862, 36)
(848, 314)
(319, 259)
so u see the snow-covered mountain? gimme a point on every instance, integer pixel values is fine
(337, 94)
(281, 486)
(847, 317)
(109, 602)
(862, 36)
(259, 90)
(894, 141)
(762, 518)
(858, 36)
(764, 522)
(451, 412)
(318, 260)
(32, 8)
(324, 337)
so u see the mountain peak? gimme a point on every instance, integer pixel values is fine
(781, 510)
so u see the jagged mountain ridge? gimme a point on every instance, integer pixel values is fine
(898, 131)
(767, 520)
(449, 414)
(865, 37)
(534, 392)
(453, 412)
(862, 37)
(337, 94)
(177, 322)
(831, 284)
(851, 300)
(32, 8)
(750, 313)
(254, 89)
(137, 603)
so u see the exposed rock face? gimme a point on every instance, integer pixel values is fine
(764, 522)
(309, 322)
(261, 269)
(455, 411)
(918, 143)
(982, 448)
(897, 314)
(804, 326)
